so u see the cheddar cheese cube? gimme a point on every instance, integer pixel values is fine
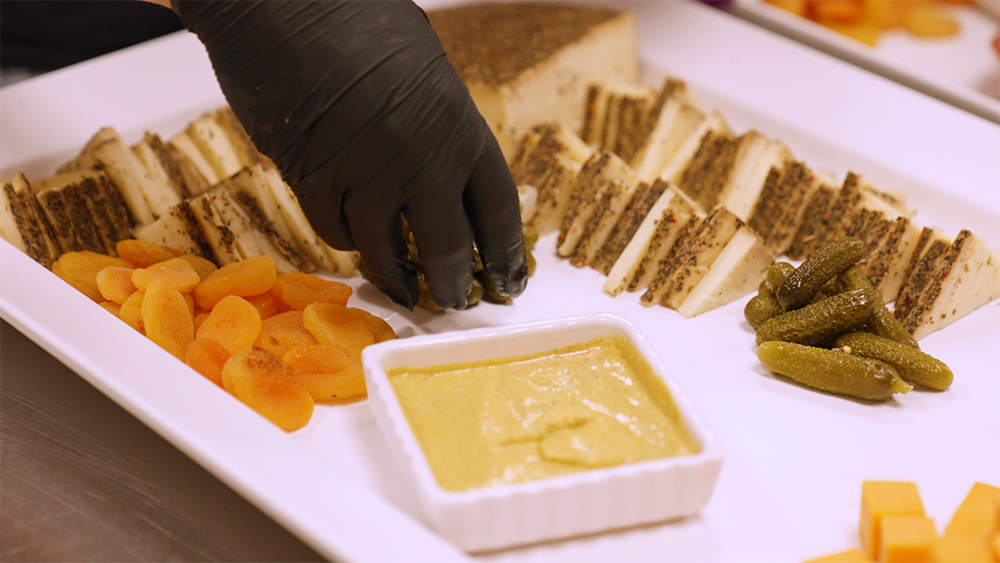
(906, 539)
(885, 498)
(957, 549)
(849, 556)
(978, 514)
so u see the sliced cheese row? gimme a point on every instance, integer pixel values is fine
(206, 191)
(663, 197)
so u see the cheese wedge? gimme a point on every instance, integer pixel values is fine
(677, 279)
(676, 120)
(529, 63)
(675, 167)
(161, 164)
(105, 208)
(223, 238)
(967, 278)
(616, 116)
(930, 249)
(596, 176)
(671, 219)
(527, 200)
(549, 158)
(737, 271)
(214, 144)
(820, 218)
(644, 198)
(186, 146)
(301, 231)
(255, 234)
(345, 262)
(616, 198)
(246, 152)
(249, 189)
(23, 223)
(756, 157)
(180, 229)
(782, 204)
(707, 175)
(62, 201)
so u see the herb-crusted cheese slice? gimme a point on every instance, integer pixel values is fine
(636, 265)
(693, 260)
(758, 156)
(598, 174)
(737, 271)
(643, 199)
(180, 229)
(529, 63)
(968, 277)
(185, 145)
(674, 123)
(23, 223)
(678, 163)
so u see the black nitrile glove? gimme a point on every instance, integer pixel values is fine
(359, 108)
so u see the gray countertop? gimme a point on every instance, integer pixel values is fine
(83, 480)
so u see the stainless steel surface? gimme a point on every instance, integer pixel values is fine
(83, 480)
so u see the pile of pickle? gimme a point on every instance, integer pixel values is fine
(824, 326)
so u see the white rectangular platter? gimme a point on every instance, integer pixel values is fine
(795, 459)
(962, 70)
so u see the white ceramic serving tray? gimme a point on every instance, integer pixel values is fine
(795, 459)
(569, 505)
(962, 70)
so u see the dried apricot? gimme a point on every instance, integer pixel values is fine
(207, 357)
(111, 307)
(142, 254)
(131, 311)
(284, 331)
(380, 329)
(266, 303)
(190, 303)
(175, 272)
(298, 290)
(203, 266)
(334, 325)
(167, 319)
(246, 278)
(233, 322)
(115, 283)
(199, 319)
(266, 384)
(80, 269)
(326, 372)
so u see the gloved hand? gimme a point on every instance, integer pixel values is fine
(365, 117)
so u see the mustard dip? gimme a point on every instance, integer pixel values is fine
(496, 422)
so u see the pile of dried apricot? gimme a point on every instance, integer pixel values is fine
(865, 20)
(278, 343)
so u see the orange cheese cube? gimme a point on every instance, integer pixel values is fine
(978, 514)
(849, 556)
(956, 549)
(885, 498)
(906, 539)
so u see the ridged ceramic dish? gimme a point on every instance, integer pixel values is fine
(591, 501)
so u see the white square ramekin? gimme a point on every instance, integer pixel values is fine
(581, 503)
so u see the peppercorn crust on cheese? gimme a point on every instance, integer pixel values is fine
(525, 64)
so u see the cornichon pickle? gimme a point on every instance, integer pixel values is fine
(777, 274)
(760, 309)
(884, 323)
(832, 371)
(530, 236)
(814, 323)
(817, 270)
(913, 365)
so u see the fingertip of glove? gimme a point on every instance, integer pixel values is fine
(509, 280)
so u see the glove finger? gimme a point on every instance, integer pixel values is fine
(325, 217)
(377, 232)
(494, 212)
(444, 241)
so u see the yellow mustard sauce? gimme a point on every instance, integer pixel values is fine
(502, 421)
